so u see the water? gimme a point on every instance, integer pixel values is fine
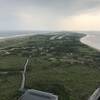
(4, 35)
(92, 39)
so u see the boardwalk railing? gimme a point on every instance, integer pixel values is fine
(95, 95)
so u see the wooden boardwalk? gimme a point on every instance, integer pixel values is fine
(23, 75)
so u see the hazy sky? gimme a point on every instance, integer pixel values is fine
(49, 14)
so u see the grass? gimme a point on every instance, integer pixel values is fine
(65, 67)
(78, 80)
(9, 85)
(12, 62)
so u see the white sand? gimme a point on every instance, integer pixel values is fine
(92, 40)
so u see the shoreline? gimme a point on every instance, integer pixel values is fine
(85, 40)
(2, 39)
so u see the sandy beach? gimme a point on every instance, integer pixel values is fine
(92, 40)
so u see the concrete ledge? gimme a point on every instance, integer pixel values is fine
(32, 94)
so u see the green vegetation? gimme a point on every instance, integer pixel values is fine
(64, 66)
(9, 85)
(12, 62)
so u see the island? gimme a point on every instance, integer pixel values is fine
(59, 64)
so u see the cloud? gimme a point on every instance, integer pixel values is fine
(84, 21)
(50, 14)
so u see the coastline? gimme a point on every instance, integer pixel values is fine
(62, 66)
(88, 41)
(15, 37)
(85, 40)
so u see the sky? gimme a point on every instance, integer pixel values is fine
(74, 15)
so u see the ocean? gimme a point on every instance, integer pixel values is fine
(4, 35)
(11, 34)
